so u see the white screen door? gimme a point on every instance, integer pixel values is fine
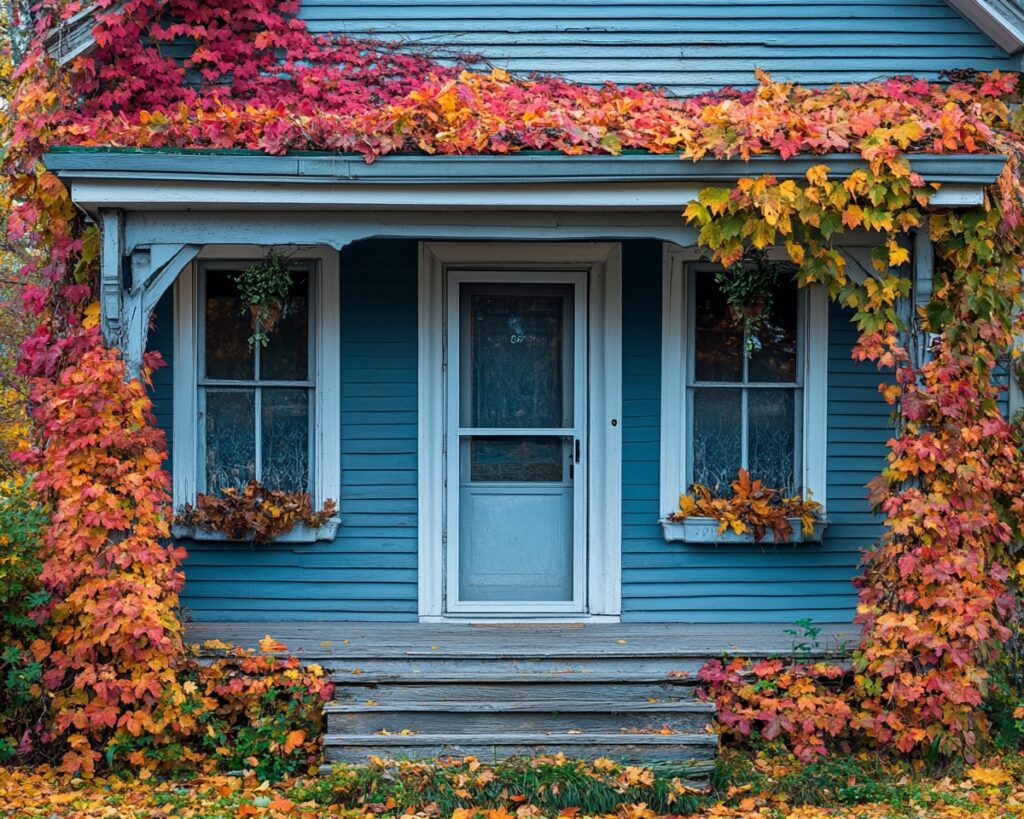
(516, 448)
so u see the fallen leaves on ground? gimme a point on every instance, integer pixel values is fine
(990, 791)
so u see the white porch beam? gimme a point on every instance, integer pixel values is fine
(339, 229)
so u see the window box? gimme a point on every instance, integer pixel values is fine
(298, 534)
(696, 529)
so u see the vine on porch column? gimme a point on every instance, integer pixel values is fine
(936, 589)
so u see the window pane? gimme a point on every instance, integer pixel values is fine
(227, 329)
(286, 356)
(718, 340)
(772, 437)
(773, 349)
(516, 459)
(516, 360)
(230, 438)
(717, 437)
(285, 439)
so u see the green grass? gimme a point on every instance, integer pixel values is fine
(844, 781)
(551, 786)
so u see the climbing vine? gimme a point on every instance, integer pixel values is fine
(935, 590)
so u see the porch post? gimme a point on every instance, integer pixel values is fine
(923, 260)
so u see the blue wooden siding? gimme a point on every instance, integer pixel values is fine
(369, 572)
(685, 45)
(687, 582)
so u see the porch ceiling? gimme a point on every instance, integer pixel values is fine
(168, 180)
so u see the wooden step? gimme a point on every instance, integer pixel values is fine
(488, 718)
(503, 687)
(346, 667)
(623, 748)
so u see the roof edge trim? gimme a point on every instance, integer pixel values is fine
(1002, 21)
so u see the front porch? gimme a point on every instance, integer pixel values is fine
(543, 508)
(494, 690)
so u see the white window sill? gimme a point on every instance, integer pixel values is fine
(299, 534)
(697, 529)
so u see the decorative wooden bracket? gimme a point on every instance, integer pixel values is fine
(132, 284)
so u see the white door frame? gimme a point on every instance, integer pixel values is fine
(602, 262)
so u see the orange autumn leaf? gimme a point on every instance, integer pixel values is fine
(294, 740)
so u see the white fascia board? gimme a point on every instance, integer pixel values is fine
(128, 194)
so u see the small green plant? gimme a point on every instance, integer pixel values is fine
(804, 635)
(749, 290)
(264, 288)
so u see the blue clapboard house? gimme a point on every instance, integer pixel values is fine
(504, 369)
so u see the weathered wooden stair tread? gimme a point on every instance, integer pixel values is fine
(694, 740)
(439, 676)
(610, 706)
(685, 749)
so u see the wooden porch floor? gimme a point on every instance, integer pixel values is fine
(342, 643)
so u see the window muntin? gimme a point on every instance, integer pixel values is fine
(744, 394)
(255, 406)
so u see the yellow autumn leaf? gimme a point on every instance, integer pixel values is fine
(216, 645)
(268, 645)
(989, 776)
(898, 255)
(92, 315)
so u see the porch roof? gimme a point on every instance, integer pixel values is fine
(175, 179)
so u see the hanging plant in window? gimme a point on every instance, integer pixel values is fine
(264, 287)
(749, 289)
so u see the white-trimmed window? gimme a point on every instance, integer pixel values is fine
(731, 400)
(245, 412)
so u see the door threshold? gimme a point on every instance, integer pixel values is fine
(522, 619)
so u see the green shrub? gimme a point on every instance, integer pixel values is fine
(241, 712)
(1004, 702)
(22, 698)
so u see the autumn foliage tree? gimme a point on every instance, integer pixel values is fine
(936, 590)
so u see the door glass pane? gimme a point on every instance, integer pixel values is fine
(516, 459)
(773, 349)
(230, 439)
(772, 437)
(717, 437)
(286, 356)
(228, 355)
(516, 354)
(285, 439)
(718, 338)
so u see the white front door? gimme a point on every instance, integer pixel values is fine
(515, 448)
